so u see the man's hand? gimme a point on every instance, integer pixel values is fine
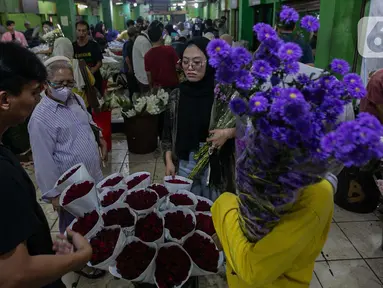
(56, 203)
(219, 137)
(61, 246)
(81, 247)
(104, 150)
(170, 169)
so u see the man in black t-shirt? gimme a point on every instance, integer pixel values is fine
(26, 255)
(89, 51)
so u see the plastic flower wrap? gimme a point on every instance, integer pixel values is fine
(287, 131)
(51, 36)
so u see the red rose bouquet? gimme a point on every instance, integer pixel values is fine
(84, 225)
(150, 228)
(106, 246)
(139, 180)
(182, 198)
(109, 196)
(136, 261)
(177, 183)
(111, 181)
(179, 223)
(173, 266)
(159, 189)
(80, 198)
(141, 201)
(68, 174)
(204, 253)
(205, 223)
(204, 204)
(74, 174)
(119, 215)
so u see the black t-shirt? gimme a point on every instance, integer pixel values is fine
(21, 217)
(91, 54)
(127, 51)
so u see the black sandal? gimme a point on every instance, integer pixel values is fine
(94, 274)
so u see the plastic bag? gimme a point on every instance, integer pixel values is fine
(146, 276)
(174, 187)
(186, 212)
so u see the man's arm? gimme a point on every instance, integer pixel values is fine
(149, 79)
(127, 61)
(97, 67)
(24, 41)
(18, 269)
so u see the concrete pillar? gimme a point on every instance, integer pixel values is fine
(107, 13)
(67, 17)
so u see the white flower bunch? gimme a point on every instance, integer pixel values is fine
(140, 104)
(152, 107)
(163, 96)
(130, 113)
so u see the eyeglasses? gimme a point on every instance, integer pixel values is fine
(195, 64)
(61, 85)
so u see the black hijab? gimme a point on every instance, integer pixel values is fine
(194, 110)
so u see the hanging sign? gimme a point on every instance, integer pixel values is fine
(254, 2)
(234, 4)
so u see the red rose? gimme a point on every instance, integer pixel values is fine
(160, 190)
(103, 245)
(203, 206)
(177, 181)
(203, 252)
(149, 228)
(111, 197)
(136, 180)
(86, 223)
(181, 200)
(141, 199)
(134, 260)
(67, 175)
(179, 224)
(172, 266)
(205, 223)
(77, 191)
(119, 216)
(112, 181)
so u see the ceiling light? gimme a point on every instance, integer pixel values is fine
(119, 3)
(135, 4)
(195, 5)
(82, 6)
(183, 3)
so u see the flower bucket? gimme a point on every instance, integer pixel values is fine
(81, 205)
(174, 187)
(197, 271)
(206, 227)
(143, 184)
(106, 191)
(203, 204)
(104, 121)
(127, 230)
(74, 176)
(142, 133)
(189, 195)
(161, 239)
(185, 212)
(109, 179)
(133, 207)
(147, 276)
(92, 232)
(120, 244)
(189, 266)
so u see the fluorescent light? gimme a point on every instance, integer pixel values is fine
(195, 5)
(82, 6)
(183, 3)
(174, 4)
(119, 3)
(135, 4)
(182, 6)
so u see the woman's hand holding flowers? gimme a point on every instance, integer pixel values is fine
(220, 136)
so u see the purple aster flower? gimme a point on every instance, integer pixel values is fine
(310, 23)
(352, 78)
(224, 75)
(275, 92)
(261, 69)
(238, 106)
(241, 56)
(357, 90)
(303, 79)
(275, 80)
(292, 93)
(258, 104)
(291, 67)
(244, 80)
(340, 66)
(265, 32)
(328, 81)
(290, 52)
(288, 15)
(332, 108)
(218, 48)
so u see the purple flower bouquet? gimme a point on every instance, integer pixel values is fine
(287, 131)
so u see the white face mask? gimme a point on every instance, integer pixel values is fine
(61, 94)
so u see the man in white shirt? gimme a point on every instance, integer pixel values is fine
(141, 46)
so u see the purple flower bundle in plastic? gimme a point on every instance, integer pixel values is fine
(287, 131)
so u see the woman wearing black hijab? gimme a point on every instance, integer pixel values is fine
(188, 119)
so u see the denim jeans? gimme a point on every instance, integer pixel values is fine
(200, 182)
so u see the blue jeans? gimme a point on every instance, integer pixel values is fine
(200, 186)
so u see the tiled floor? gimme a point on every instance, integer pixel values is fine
(351, 258)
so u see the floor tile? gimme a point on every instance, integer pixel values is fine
(142, 166)
(49, 213)
(338, 246)
(151, 157)
(118, 136)
(160, 171)
(111, 168)
(125, 169)
(365, 236)
(315, 282)
(108, 281)
(346, 274)
(212, 281)
(119, 144)
(117, 156)
(55, 227)
(70, 279)
(342, 215)
(377, 266)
